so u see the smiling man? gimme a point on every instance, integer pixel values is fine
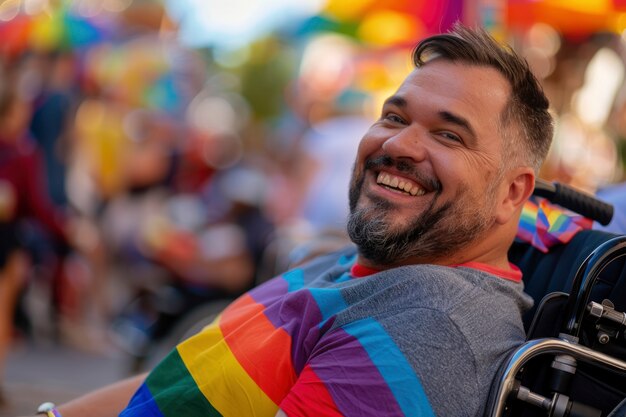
(415, 319)
(432, 183)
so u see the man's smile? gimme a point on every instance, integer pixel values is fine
(399, 184)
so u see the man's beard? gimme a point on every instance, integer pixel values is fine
(434, 233)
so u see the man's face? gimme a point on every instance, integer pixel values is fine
(426, 176)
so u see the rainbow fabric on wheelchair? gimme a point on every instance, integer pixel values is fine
(544, 224)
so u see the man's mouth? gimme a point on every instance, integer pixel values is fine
(399, 184)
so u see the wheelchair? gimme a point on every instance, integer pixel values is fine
(574, 360)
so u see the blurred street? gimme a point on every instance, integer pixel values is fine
(37, 373)
(182, 152)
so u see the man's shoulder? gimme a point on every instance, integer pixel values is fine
(463, 279)
(466, 297)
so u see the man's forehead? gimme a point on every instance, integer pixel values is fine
(467, 87)
(459, 72)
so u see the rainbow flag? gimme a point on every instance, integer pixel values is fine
(544, 225)
(263, 353)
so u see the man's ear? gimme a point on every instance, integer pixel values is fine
(518, 185)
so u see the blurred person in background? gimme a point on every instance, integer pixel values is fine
(614, 194)
(52, 77)
(23, 195)
(321, 130)
(313, 188)
(54, 106)
(182, 232)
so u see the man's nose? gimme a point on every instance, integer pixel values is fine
(411, 142)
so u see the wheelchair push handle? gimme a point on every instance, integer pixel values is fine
(575, 200)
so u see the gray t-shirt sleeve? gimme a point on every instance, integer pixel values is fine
(443, 360)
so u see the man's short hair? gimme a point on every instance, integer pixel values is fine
(527, 108)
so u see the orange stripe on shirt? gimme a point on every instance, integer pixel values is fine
(263, 350)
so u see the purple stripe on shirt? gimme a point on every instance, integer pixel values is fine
(270, 291)
(360, 384)
(299, 315)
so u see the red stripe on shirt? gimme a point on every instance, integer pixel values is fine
(310, 386)
(513, 274)
(360, 271)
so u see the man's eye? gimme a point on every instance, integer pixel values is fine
(394, 118)
(450, 136)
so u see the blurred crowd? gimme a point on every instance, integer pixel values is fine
(140, 178)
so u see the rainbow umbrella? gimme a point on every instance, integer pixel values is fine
(14, 36)
(82, 32)
(62, 29)
(140, 73)
(386, 23)
(570, 17)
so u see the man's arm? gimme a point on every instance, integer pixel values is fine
(104, 402)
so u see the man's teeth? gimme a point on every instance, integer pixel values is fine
(401, 184)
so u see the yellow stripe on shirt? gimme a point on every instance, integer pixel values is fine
(220, 377)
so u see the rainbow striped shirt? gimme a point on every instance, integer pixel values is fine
(318, 342)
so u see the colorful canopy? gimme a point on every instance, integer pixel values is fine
(570, 17)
